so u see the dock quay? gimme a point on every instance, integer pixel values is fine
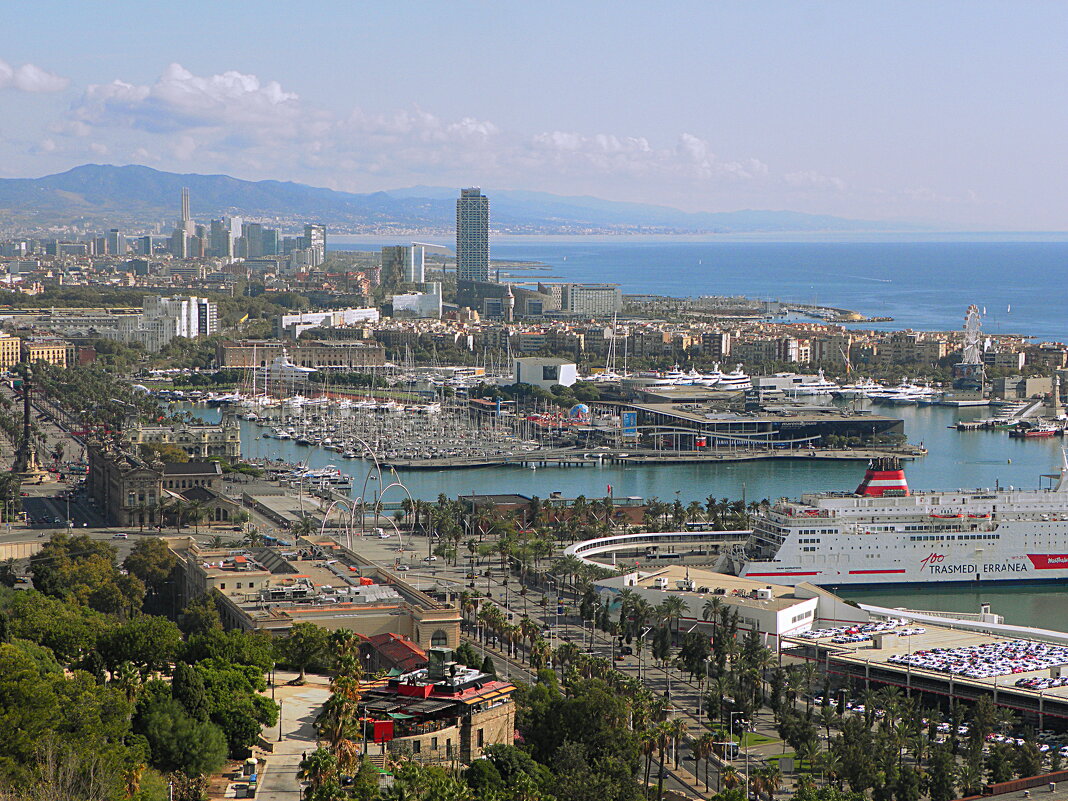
(573, 457)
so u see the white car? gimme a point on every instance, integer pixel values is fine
(120, 536)
(430, 559)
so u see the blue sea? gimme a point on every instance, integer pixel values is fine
(925, 282)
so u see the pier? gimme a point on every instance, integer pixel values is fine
(569, 457)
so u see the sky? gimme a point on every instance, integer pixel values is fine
(947, 113)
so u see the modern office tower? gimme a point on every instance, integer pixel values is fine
(415, 264)
(403, 264)
(252, 233)
(472, 236)
(145, 245)
(185, 228)
(394, 258)
(220, 243)
(259, 241)
(178, 246)
(116, 242)
(315, 241)
(271, 245)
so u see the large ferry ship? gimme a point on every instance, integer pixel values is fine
(885, 534)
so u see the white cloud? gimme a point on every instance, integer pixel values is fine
(238, 123)
(30, 78)
(810, 179)
(179, 100)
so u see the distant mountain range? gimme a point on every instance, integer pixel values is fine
(98, 195)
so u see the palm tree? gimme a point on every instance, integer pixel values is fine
(767, 780)
(178, 509)
(528, 630)
(141, 509)
(703, 750)
(677, 731)
(807, 751)
(128, 679)
(253, 537)
(970, 775)
(830, 765)
(729, 777)
(672, 609)
(304, 527)
(809, 674)
(828, 718)
(719, 688)
(540, 654)
(710, 611)
(197, 511)
(319, 768)
(648, 740)
(663, 737)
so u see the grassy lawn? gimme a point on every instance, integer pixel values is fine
(745, 739)
(752, 738)
(800, 766)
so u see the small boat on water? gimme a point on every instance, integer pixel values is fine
(1039, 431)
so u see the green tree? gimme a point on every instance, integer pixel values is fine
(179, 742)
(255, 648)
(1028, 760)
(999, 764)
(152, 562)
(235, 703)
(83, 570)
(909, 784)
(302, 647)
(187, 687)
(40, 704)
(201, 615)
(69, 630)
(149, 642)
(942, 772)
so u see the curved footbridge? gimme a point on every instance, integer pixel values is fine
(710, 542)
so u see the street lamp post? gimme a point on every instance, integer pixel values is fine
(700, 693)
(732, 716)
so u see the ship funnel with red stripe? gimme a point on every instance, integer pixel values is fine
(885, 476)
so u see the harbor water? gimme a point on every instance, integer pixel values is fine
(955, 460)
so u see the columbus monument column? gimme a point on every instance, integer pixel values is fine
(26, 464)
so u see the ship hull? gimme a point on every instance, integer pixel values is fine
(914, 563)
(884, 534)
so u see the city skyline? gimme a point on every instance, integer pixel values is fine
(947, 114)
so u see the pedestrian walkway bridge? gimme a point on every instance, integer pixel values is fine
(662, 543)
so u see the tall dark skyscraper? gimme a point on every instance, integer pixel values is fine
(472, 236)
